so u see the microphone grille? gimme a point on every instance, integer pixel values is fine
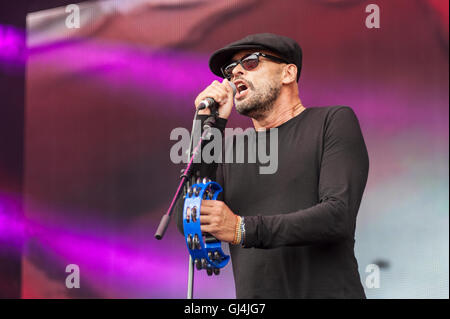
(233, 87)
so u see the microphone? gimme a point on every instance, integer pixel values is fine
(210, 102)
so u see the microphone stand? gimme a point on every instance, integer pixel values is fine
(187, 173)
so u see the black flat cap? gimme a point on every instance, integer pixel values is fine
(284, 46)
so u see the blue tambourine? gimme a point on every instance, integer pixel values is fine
(205, 250)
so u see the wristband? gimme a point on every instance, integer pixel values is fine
(237, 232)
(242, 231)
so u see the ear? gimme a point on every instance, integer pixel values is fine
(289, 74)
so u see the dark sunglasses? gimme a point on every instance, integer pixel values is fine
(248, 62)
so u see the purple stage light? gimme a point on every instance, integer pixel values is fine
(118, 67)
(113, 264)
(13, 50)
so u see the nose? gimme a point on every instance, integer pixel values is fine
(238, 70)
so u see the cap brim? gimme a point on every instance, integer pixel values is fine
(224, 55)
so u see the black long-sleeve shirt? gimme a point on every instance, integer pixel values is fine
(300, 221)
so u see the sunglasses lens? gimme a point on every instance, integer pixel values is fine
(228, 70)
(250, 62)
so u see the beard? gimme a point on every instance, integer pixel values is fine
(260, 102)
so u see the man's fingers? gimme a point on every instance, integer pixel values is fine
(211, 207)
(228, 87)
(206, 229)
(210, 203)
(205, 220)
(212, 92)
(206, 210)
(217, 91)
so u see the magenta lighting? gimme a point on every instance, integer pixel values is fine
(147, 268)
(12, 45)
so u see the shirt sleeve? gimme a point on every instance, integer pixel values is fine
(343, 176)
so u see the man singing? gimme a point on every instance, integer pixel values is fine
(291, 233)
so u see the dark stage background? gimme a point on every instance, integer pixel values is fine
(95, 175)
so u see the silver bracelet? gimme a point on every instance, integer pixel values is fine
(242, 231)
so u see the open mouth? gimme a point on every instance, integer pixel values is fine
(241, 88)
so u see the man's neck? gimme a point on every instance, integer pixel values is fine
(281, 113)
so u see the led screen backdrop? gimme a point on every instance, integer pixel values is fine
(102, 99)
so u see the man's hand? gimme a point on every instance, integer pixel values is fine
(218, 220)
(222, 93)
